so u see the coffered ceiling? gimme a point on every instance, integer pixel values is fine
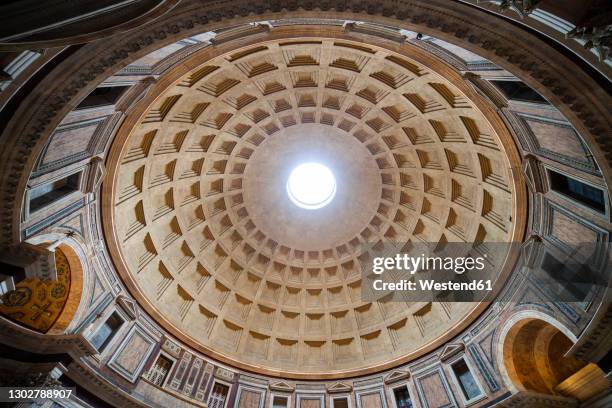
(204, 234)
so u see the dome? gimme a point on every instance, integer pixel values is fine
(208, 238)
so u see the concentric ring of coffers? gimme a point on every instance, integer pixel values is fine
(217, 253)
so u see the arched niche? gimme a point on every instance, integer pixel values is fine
(49, 306)
(535, 360)
(73, 300)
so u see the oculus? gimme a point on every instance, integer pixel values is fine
(311, 186)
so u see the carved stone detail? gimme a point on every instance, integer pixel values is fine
(281, 386)
(533, 175)
(134, 94)
(97, 171)
(487, 90)
(596, 35)
(522, 7)
(396, 375)
(450, 350)
(339, 388)
(531, 250)
(128, 305)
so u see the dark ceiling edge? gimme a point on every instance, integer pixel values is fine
(602, 80)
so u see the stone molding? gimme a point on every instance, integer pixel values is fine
(74, 344)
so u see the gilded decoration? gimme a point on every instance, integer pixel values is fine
(37, 304)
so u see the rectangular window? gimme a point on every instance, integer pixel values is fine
(218, 396)
(46, 194)
(519, 91)
(466, 380)
(106, 332)
(106, 95)
(280, 402)
(341, 403)
(159, 371)
(585, 194)
(402, 397)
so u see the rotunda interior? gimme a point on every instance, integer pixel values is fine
(194, 195)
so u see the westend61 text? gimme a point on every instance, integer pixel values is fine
(432, 285)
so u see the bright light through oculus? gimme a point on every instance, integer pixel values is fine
(311, 186)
